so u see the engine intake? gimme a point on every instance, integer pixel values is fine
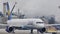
(9, 29)
(42, 30)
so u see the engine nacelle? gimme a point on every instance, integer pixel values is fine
(9, 29)
(42, 30)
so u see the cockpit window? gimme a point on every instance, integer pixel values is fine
(39, 22)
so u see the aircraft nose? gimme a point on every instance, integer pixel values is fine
(39, 25)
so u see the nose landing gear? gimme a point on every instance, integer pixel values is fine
(31, 31)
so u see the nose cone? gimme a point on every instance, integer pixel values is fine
(41, 25)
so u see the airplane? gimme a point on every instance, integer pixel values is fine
(22, 24)
(7, 12)
(25, 24)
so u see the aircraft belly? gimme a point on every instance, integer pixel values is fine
(25, 23)
(21, 28)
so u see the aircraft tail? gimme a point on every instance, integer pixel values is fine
(8, 12)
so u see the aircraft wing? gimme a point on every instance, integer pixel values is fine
(51, 24)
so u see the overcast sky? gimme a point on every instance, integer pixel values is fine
(32, 8)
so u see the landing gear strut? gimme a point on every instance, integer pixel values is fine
(13, 32)
(37, 32)
(31, 31)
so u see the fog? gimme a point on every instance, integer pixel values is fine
(32, 8)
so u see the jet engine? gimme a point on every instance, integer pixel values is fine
(9, 29)
(41, 30)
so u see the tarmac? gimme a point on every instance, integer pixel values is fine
(2, 31)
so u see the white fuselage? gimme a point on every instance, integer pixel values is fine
(38, 23)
